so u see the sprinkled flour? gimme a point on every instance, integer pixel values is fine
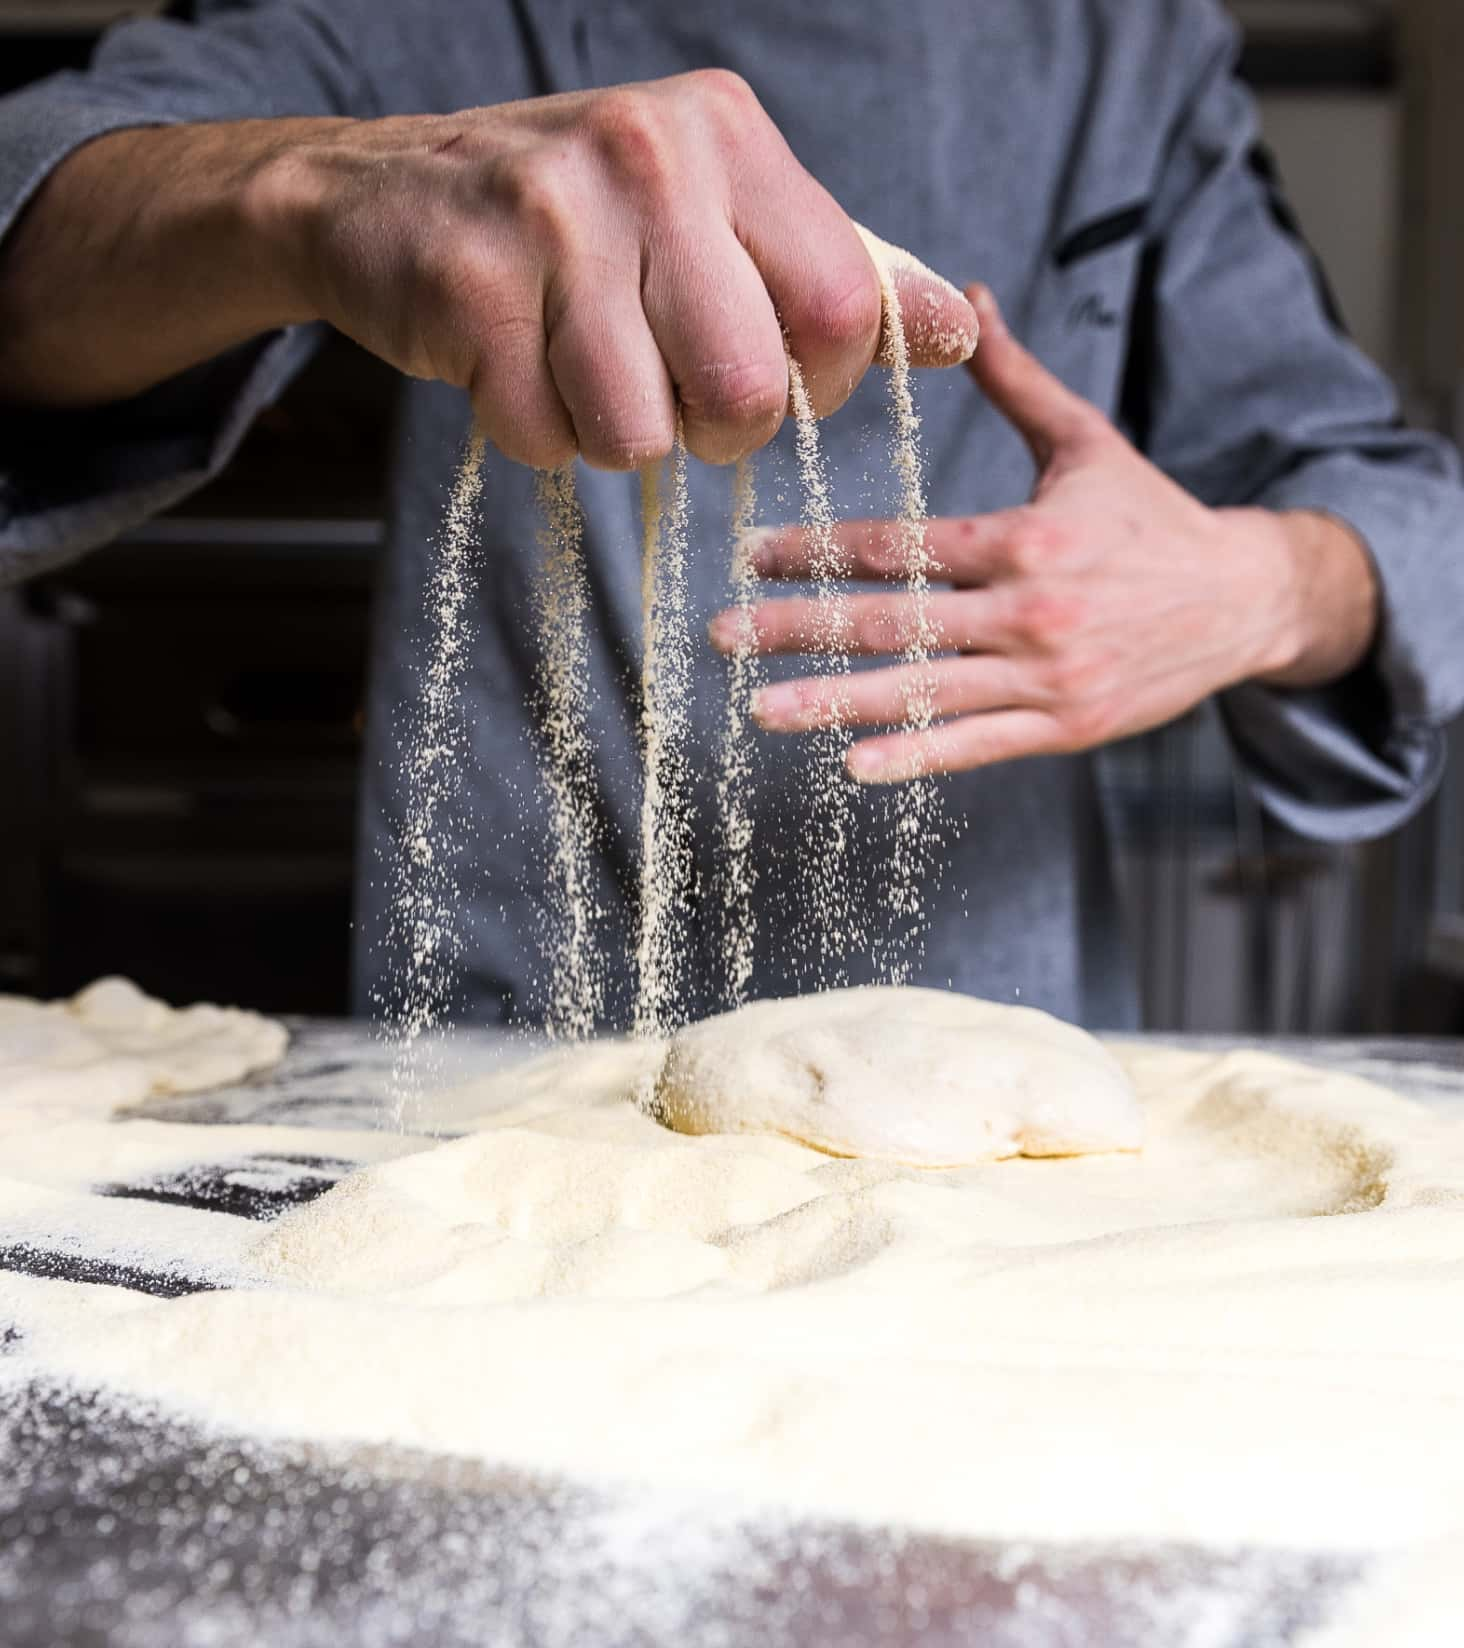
(576, 992)
(423, 935)
(734, 783)
(423, 938)
(667, 820)
(170, 1535)
(914, 806)
(839, 928)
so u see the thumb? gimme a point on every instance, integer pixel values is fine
(1044, 411)
(939, 328)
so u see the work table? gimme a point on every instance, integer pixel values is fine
(119, 1529)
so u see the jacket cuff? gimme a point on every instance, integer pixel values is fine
(1357, 759)
(71, 480)
(42, 125)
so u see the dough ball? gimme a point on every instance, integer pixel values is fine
(111, 1046)
(927, 1078)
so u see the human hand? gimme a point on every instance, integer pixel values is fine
(587, 264)
(1111, 603)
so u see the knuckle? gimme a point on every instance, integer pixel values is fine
(750, 392)
(633, 138)
(1044, 619)
(724, 87)
(1028, 619)
(1034, 545)
(534, 186)
(844, 313)
(727, 103)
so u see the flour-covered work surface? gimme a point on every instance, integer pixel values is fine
(583, 1378)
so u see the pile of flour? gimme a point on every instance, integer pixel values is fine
(111, 1045)
(1247, 1334)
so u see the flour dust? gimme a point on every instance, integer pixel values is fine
(667, 821)
(425, 896)
(738, 869)
(840, 927)
(423, 938)
(576, 983)
(915, 813)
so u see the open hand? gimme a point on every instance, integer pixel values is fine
(1110, 603)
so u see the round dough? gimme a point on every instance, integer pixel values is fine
(111, 1046)
(928, 1078)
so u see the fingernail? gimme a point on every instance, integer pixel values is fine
(778, 708)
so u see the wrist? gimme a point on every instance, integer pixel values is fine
(1317, 592)
(279, 204)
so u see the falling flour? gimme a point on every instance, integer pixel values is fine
(422, 932)
(667, 820)
(424, 903)
(734, 783)
(576, 992)
(838, 928)
(915, 804)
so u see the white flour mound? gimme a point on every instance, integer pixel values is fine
(931, 1078)
(1249, 1333)
(111, 1046)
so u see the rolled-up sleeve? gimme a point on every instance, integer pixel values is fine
(71, 480)
(1246, 389)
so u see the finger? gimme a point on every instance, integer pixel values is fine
(1047, 414)
(966, 548)
(866, 625)
(610, 374)
(956, 746)
(818, 276)
(940, 326)
(518, 405)
(717, 331)
(883, 698)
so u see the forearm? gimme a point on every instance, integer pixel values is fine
(144, 253)
(1323, 595)
(597, 269)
